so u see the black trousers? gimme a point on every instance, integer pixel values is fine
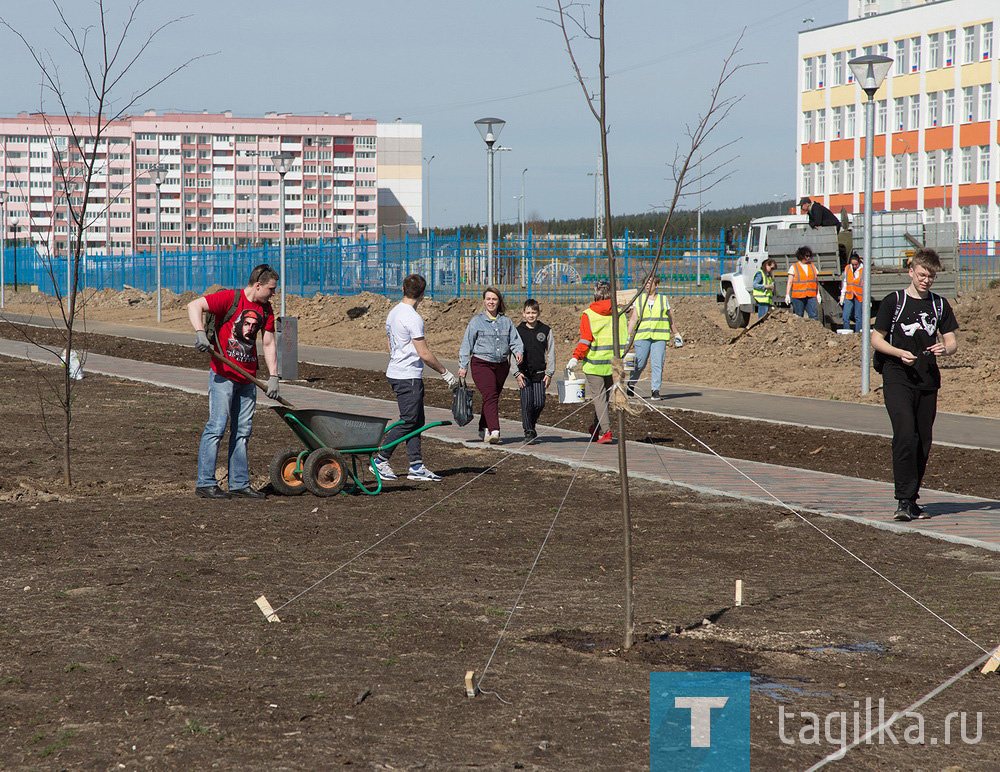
(911, 412)
(410, 399)
(532, 404)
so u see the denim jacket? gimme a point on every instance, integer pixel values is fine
(491, 340)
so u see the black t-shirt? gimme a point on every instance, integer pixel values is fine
(820, 216)
(536, 343)
(915, 330)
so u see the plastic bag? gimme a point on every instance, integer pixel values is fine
(461, 403)
(75, 365)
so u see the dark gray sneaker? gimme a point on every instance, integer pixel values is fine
(917, 512)
(903, 511)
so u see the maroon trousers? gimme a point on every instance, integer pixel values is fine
(489, 378)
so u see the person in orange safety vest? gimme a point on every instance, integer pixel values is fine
(852, 292)
(802, 290)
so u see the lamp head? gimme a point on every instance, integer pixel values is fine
(156, 174)
(489, 129)
(869, 72)
(282, 161)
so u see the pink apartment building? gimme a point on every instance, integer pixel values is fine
(220, 188)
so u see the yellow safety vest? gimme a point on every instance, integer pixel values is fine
(599, 355)
(654, 323)
(766, 296)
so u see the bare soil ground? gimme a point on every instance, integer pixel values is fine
(784, 355)
(131, 640)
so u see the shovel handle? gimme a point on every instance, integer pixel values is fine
(254, 380)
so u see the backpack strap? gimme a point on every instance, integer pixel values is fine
(900, 302)
(219, 323)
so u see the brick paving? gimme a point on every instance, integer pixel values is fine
(956, 518)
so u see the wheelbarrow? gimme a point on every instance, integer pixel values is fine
(331, 440)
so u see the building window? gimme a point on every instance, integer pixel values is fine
(838, 122)
(820, 179)
(932, 169)
(899, 113)
(949, 48)
(849, 175)
(880, 173)
(986, 50)
(985, 101)
(968, 104)
(821, 125)
(850, 128)
(881, 117)
(847, 70)
(984, 163)
(967, 165)
(969, 45)
(821, 71)
(984, 222)
(899, 66)
(838, 69)
(883, 49)
(949, 107)
(914, 112)
(914, 54)
(914, 172)
(810, 74)
(898, 173)
(948, 166)
(966, 223)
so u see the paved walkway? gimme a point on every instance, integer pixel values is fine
(956, 518)
(949, 429)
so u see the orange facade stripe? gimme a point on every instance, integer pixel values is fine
(904, 199)
(934, 200)
(841, 149)
(974, 194)
(879, 145)
(905, 142)
(842, 201)
(813, 153)
(938, 139)
(970, 134)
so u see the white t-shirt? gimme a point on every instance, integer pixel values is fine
(402, 325)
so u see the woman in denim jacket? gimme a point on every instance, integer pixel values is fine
(488, 342)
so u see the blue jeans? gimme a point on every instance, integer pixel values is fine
(852, 308)
(652, 351)
(805, 306)
(233, 403)
(762, 309)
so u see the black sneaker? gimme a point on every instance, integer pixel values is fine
(917, 512)
(248, 493)
(655, 395)
(903, 511)
(211, 492)
(530, 436)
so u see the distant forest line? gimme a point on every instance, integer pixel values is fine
(684, 223)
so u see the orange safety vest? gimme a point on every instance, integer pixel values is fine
(804, 284)
(854, 289)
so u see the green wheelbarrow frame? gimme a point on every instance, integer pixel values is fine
(356, 454)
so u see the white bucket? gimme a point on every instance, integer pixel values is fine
(572, 390)
(628, 363)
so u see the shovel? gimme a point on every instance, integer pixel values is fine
(256, 381)
(749, 327)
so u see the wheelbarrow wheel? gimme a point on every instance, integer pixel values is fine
(325, 472)
(284, 479)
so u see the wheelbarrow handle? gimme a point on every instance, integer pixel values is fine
(256, 381)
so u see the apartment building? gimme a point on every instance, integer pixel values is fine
(220, 187)
(936, 126)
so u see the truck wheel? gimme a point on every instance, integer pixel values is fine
(735, 317)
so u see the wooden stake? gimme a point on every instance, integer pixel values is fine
(993, 662)
(471, 690)
(265, 607)
(739, 592)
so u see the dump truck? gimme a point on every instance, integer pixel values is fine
(895, 237)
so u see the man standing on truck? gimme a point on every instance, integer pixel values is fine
(912, 329)
(819, 215)
(802, 289)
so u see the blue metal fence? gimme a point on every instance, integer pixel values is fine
(560, 269)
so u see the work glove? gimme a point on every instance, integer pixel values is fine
(841, 300)
(272, 387)
(201, 342)
(572, 363)
(449, 378)
(788, 300)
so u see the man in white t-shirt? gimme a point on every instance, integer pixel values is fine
(408, 352)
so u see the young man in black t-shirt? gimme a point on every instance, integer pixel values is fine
(913, 327)
(534, 373)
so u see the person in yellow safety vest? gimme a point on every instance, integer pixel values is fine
(763, 286)
(595, 350)
(852, 292)
(802, 290)
(651, 312)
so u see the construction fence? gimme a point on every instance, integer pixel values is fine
(555, 269)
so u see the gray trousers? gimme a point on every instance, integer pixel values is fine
(598, 386)
(410, 399)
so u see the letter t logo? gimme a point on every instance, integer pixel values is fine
(701, 717)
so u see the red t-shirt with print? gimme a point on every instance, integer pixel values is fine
(238, 337)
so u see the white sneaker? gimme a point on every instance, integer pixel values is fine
(494, 437)
(422, 473)
(384, 470)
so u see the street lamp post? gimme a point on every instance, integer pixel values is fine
(489, 129)
(869, 72)
(596, 176)
(427, 213)
(156, 172)
(282, 163)
(521, 215)
(13, 237)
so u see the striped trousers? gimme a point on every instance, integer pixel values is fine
(532, 404)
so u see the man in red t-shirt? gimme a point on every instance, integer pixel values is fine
(231, 397)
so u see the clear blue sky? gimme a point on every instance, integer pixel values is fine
(448, 62)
